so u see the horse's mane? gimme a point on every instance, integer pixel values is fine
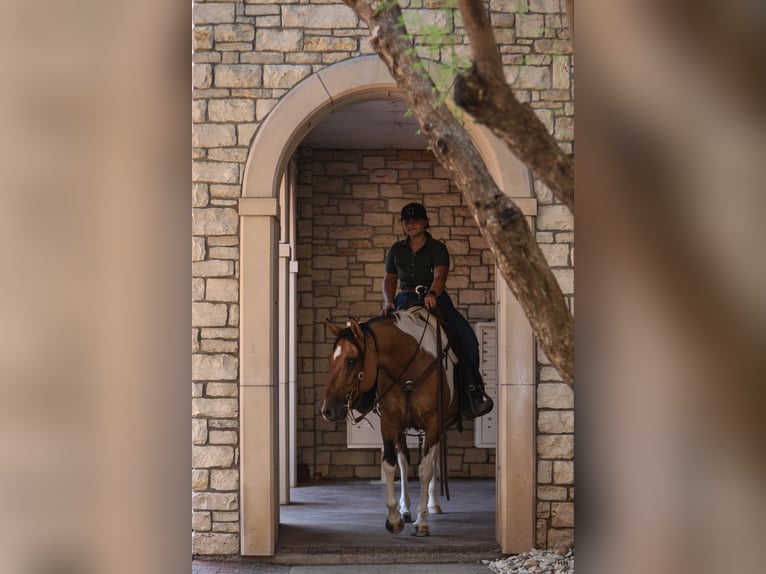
(347, 335)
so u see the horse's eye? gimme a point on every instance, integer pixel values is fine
(351, 362)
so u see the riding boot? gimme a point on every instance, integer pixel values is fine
(477, 402)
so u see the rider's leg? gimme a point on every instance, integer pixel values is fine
(478, 402)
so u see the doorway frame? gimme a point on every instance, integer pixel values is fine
(304, 106)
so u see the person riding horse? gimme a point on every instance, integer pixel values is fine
(420, 264)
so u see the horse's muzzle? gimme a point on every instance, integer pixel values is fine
(332, 413)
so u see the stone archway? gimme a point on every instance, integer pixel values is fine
(307, 104)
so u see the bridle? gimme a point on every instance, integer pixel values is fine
(354, 391)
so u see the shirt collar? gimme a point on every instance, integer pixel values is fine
(406, 239)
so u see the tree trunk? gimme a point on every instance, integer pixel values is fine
(500, 221)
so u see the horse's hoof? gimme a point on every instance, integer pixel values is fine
(407, 516)
(394, 528)
(421, 530)
(435, 509)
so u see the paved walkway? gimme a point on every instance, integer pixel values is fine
(212, 567)
(337, 527)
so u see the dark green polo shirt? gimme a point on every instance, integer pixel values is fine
(415, 269)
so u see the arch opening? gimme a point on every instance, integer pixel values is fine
(269, 246)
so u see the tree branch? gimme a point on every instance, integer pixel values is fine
(501, 222)
(484, 52)
(484, 93)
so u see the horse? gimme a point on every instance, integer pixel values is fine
(399, 356)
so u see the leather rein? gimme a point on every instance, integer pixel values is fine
(440, 395)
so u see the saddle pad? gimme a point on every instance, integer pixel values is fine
(422, 315)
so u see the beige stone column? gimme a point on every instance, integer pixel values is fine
(283, 352)
(258, 459)
(516, 450)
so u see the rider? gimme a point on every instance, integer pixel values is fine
(421, 264)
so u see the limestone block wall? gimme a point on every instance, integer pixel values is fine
(247, 55)
(348, 204)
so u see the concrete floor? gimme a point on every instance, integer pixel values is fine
(343, 523)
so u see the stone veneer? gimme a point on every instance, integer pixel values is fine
(247, 56)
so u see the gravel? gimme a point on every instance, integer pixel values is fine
(534, 562)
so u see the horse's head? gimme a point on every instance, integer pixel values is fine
(346, 376)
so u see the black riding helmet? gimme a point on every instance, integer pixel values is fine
(414, 211)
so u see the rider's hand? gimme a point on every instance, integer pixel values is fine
(430, 301)
(387, 308)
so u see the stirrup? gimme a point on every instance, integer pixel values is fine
(478, 403)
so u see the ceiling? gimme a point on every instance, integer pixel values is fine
(375, 124)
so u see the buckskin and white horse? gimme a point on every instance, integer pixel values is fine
(402, 356)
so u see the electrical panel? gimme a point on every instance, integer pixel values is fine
(485, 428)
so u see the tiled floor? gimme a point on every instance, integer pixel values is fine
(342, 523)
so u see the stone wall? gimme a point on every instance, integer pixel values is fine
(248, 55)
(348, 215)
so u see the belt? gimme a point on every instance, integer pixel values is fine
(420, 289)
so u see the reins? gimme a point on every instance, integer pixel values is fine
(442, 415)
(424, 374)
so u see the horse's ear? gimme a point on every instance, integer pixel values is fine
(334, 329)
(356, 329)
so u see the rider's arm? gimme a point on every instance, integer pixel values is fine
(437, 285)
(440, 279)
(389, 291)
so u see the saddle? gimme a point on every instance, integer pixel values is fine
(461, 376)
(451, 350)
(431, 318)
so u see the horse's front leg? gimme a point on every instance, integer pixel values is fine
(394, 522)
(433, 497)
(426, 474)
(404, 474)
